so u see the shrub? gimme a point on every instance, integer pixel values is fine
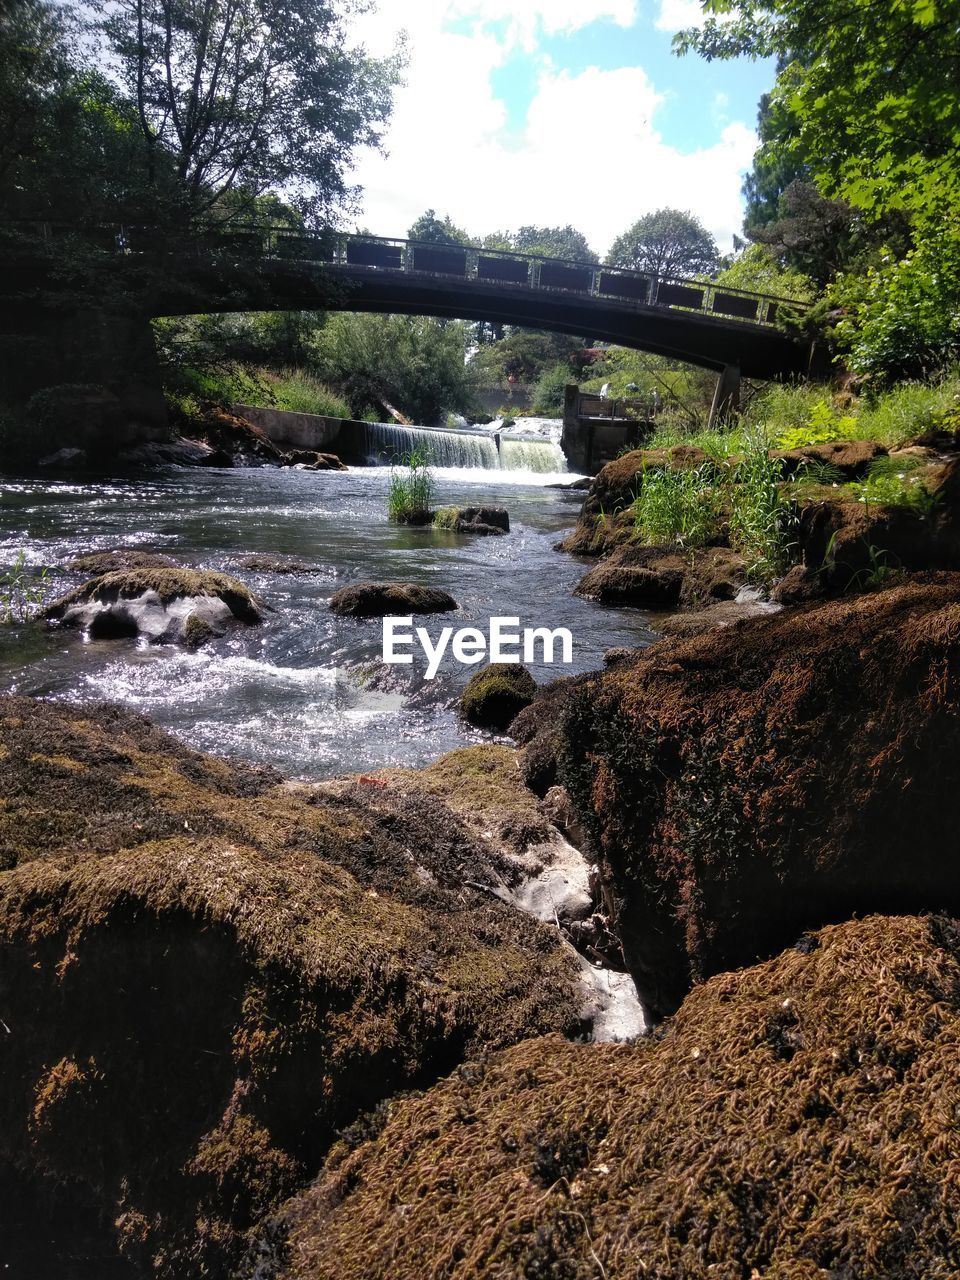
(550, 389)
(411, 488)
(822, 426)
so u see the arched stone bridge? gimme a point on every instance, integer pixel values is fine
(703, 324)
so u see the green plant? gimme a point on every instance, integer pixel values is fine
(411, 488)
(823, 426)
(297, 391)
(884, 488)
(21, 591)
(446, 518)
(761, 519)
(880, 571)
(678, 505)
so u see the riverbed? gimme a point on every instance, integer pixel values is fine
(306, 692)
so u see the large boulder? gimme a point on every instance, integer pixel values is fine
(765, 778)
(160, 604)
(495, 695)
(479, 520)
(207, 973)
(382, 599)
(662, 577)
(796, 1119)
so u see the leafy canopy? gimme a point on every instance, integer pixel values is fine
(667, 243)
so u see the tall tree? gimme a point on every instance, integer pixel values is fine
(869, 90)
(553, 242)
(436, 230)
(252, 95)
(666, 243)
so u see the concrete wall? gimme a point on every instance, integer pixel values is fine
(300, 430)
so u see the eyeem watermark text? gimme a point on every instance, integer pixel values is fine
(469, 645)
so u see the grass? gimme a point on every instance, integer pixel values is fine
(446, 518)
(411, 489)
(298, 391)
(681, 506)
(21, 592)
(761, 519)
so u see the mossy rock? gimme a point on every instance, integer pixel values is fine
(232, 970)
(156, 603)
(770, 776)
(95, 563)
(795, 1119)
(497, 694)
(382, 599)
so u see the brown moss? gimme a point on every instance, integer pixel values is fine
(794, 1120)
(168, 584)
(768, 777)
(209, 973)
(97, 562)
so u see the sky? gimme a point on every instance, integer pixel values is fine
(549, 112)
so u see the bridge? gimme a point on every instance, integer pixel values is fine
(730, 331)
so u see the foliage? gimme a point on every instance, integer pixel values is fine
(884, 487)
(902, 318)
(526, 354)
(679, 505)
(275, 338)
(298, 391)
(544, 242)
(22, 591)
(911, 409)
(251, 96)
(412, 487)
(415, 364)
(822, 426)
(867, 93)
(548, 394)
(757, 270)
(667, 243)
(446, 518)
(434, 230)
(760, 520)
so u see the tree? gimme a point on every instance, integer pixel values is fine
(553, 242)
(435, 230)
(251, 95)
(413, 363)
(668, 243)
(757, 270)
(868, 90)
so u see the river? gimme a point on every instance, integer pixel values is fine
(307, 691)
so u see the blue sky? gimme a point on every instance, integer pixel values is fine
(553, 111)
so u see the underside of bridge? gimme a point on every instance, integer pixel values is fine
(698, 338)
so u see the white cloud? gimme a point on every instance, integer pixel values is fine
(589, 152)
(675, 15)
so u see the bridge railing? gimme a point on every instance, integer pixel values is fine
(463, 262)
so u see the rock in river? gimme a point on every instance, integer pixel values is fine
(162, 605)
(381, 599)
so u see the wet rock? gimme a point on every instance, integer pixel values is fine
(767, 1119)
(311, 460)
(662, 578)
(98, 562)
(745, 785)
(232, 968)
(283, 565)
(477, 520)
(232, 437)
(495, 695)
(159, 604)
(725, 613)
(180, 452)
(64, 459)
(382, 599)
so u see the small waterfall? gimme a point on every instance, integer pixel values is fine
(531, 455)
(387, 442)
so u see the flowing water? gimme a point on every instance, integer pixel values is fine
(530, 444)
(307, 691)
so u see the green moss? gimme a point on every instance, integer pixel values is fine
(446, 518)
(197, 631)
(498, 693)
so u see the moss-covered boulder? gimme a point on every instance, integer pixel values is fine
(796, 1119)
(382, 599)
(850, 458)
(159, 604)
(766, 778)
(489, 521)
(498, 693)
(94, 563)
(206, 973)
